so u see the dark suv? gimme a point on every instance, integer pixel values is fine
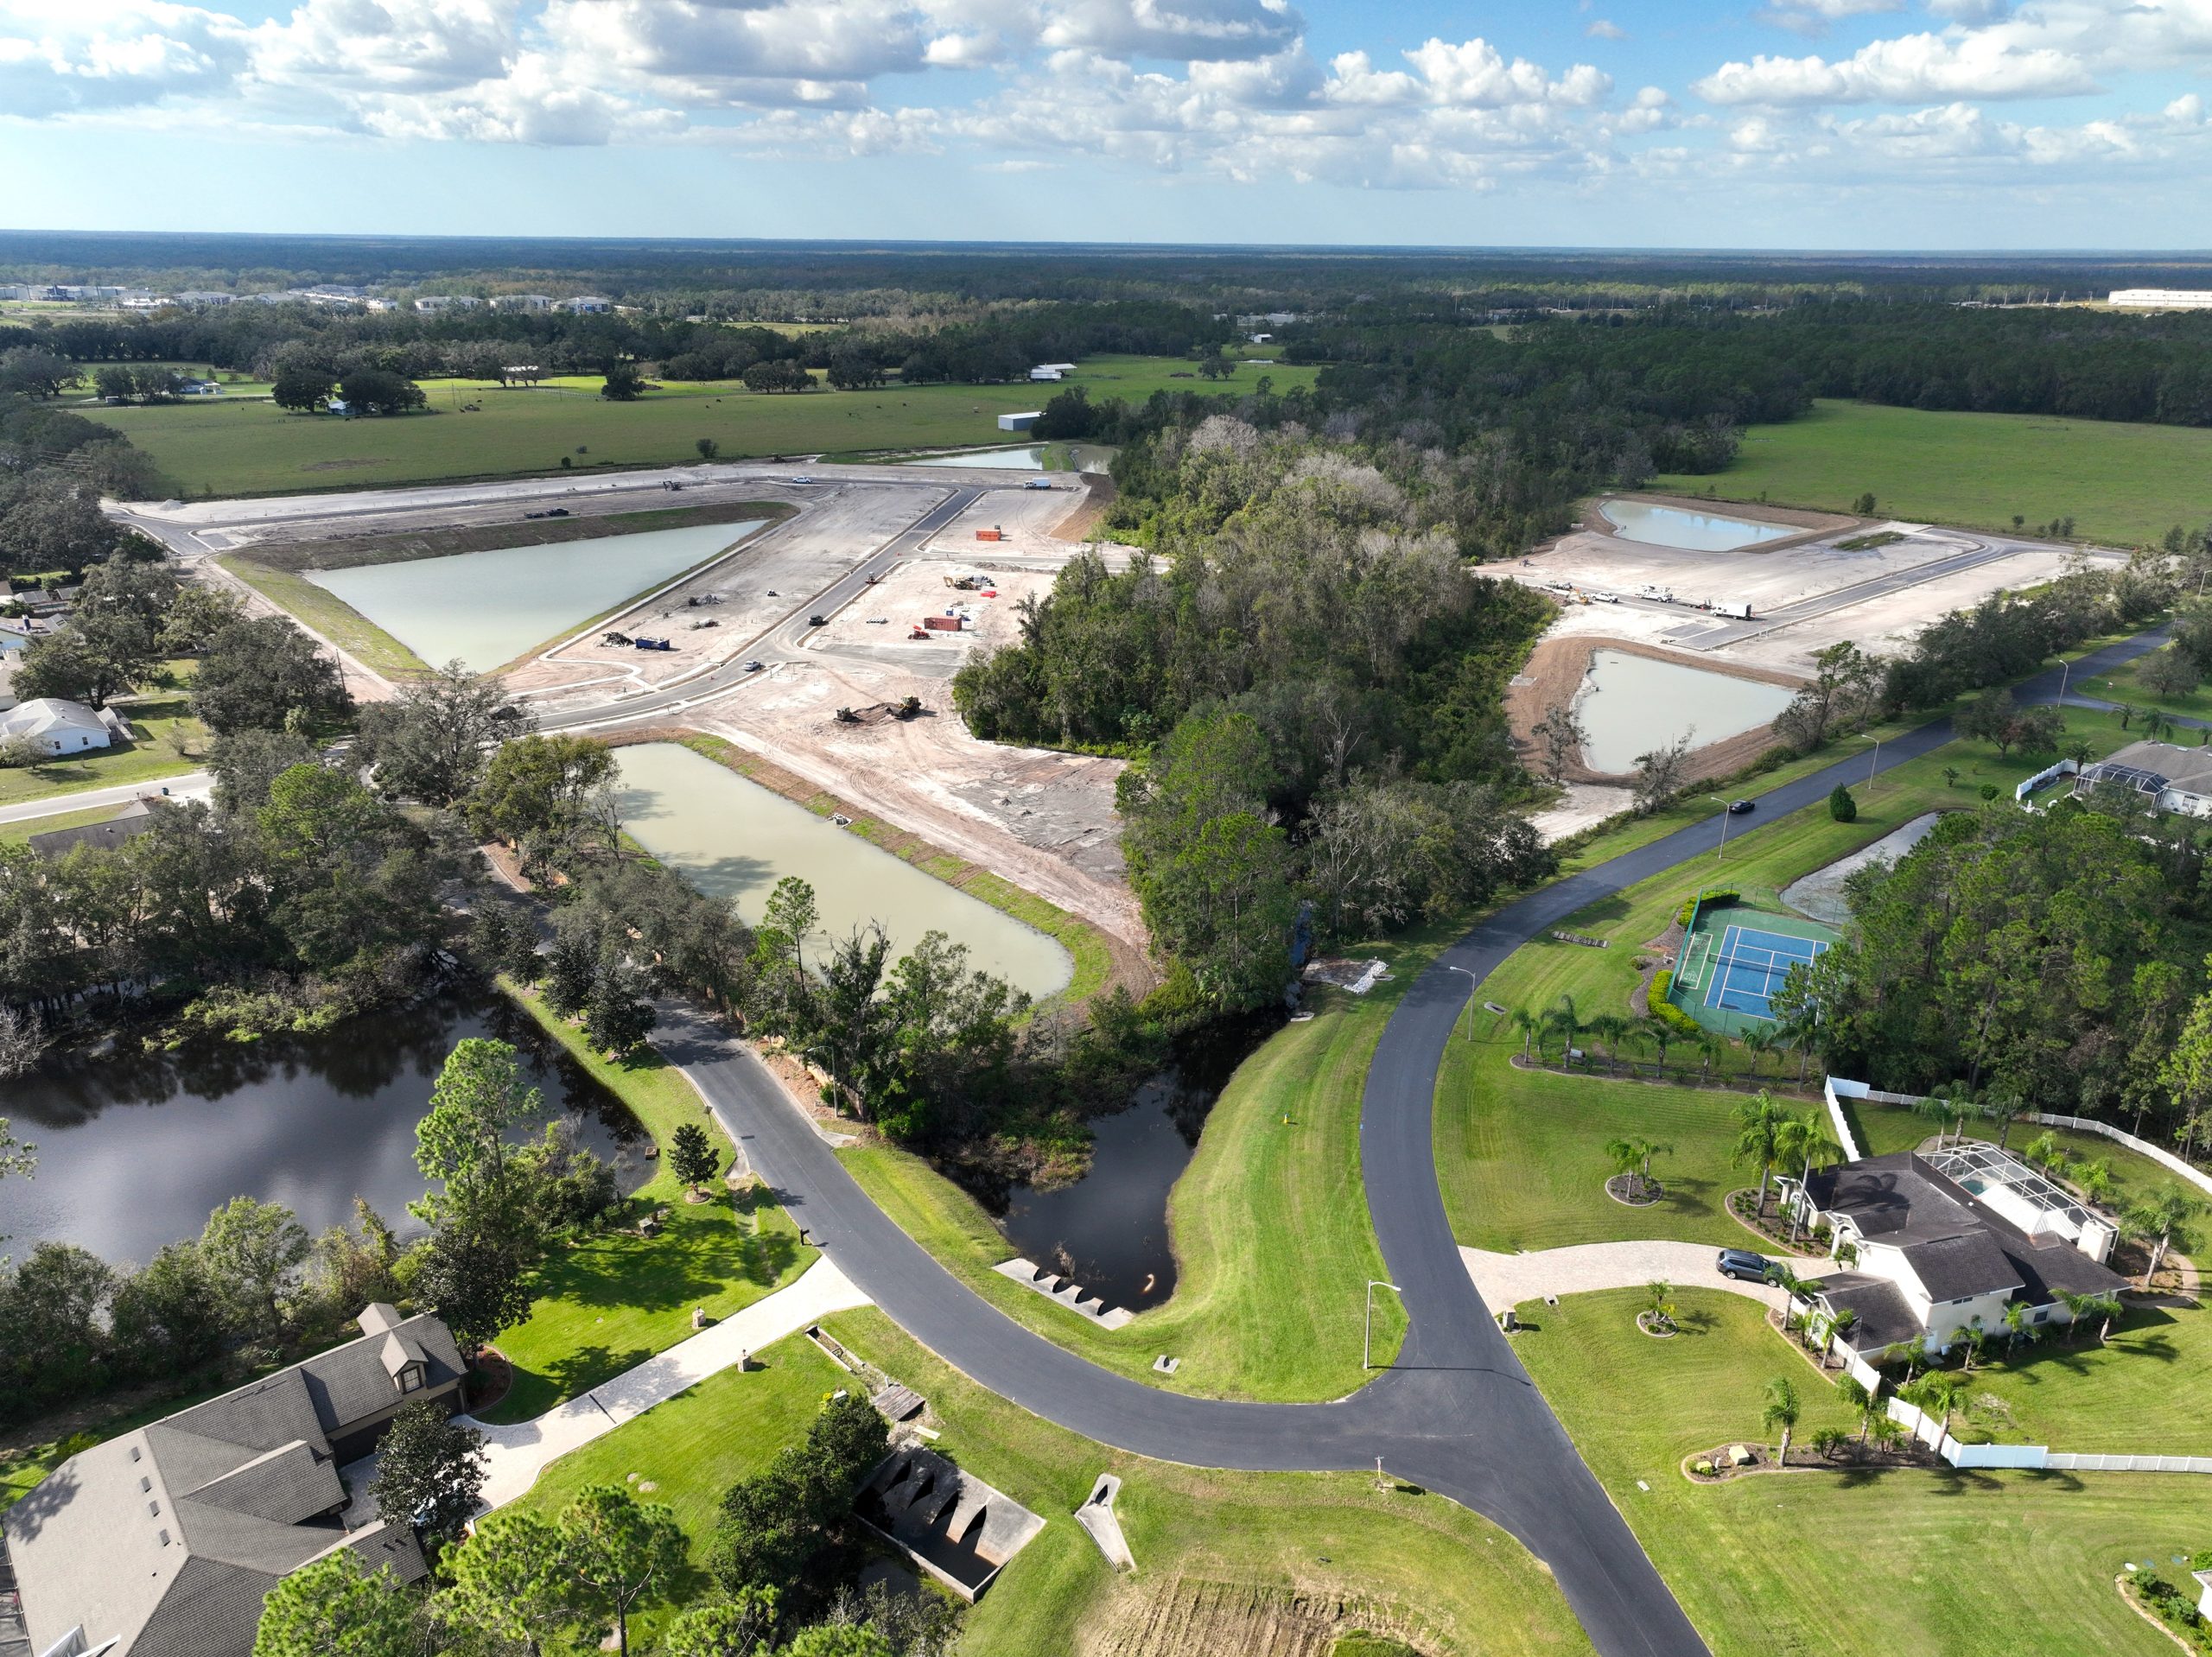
(1745, 1267)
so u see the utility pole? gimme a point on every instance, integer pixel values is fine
(1367, 1334)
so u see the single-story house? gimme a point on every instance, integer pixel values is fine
(1938, 1244)
(134, 820)
(63, 728)
(2173, 778)
(163, 1542)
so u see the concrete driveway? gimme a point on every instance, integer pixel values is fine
(1505, 1281)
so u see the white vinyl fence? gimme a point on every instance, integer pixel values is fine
(2166, 1159)
(1929, 1431)
(2130, 1464)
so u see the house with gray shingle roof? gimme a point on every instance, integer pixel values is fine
(163, 1542)
(1932, 1257)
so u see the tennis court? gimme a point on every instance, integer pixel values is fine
(1731, 970)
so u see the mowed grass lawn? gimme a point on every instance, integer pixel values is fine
(2125, 684)
(1273, 1242)
(692, 1449)
(171, 742)
(1825, 1564)
(614, 1300)
(2120, 482)
(226, 448)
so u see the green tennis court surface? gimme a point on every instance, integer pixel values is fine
(1736, 959)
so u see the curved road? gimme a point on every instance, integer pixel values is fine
(1457, 1413)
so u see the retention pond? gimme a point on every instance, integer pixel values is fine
(1675, 526)
(135, 1150)
(1108, 1229)
(485, 609)
(1631, 705)
(733, 839)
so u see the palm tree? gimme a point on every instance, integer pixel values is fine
(1528, 1024)
(2155, 1219)
(1607, 1029)
(1758, 1042)
(2094, 1177)
(1782, 1411)
(1659, 1303)
(1759, 1121)
(1943, 1110)
(1860, 1402)
(1839, 1327)
(1656, 1032)
(1805, 1139)
(2017, 1324)
(1565, 1019)
(1710, 1047)
(1793, 1289)
(1910, 1352)
(2106, 1308)
(2045, 1151)
(2080, 1309)
(1975, 1337)
(2004, 1109)
(1628, 1156)
(1936, 1395)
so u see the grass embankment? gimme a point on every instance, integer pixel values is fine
(1269, 1222)
(352, 552)
(1410, 1564)
(2125, 684)
(614, 1300)
(1520, 1154)
(220, 447)
(2120, 482)
(171, 742)
(329, 615)
(1094, 961)
(1969, 1565)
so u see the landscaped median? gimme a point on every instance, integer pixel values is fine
(611, 1301)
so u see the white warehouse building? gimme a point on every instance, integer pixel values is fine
(2162, 299)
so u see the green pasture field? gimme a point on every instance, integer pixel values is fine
(1816, 1563)
(2121, 484)
(217, 447)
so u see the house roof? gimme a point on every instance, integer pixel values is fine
(132, 820)
(1956, 1245)
(2188, 770)
(44, 714)
(1884, 1318)
(167, 1540)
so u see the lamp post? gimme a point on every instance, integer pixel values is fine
(1721, 856)
(1874, 765)
(1471, 982)
(1366, 1331)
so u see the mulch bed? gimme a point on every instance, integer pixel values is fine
(1778, 1236)
(1645, 1192)
(1643, 1321)
(490, 1380)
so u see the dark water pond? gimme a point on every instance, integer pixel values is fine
(1108, 1229)
(134, 1150)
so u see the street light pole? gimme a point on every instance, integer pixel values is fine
(1366, 1332)
(1471, 982)
(1874, 766)
(1721, 856)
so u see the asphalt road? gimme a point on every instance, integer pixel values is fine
(1457, 1413)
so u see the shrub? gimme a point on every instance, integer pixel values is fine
(1711, 898)
(1666, 1011)
(1702, 1468)
(1841, 807)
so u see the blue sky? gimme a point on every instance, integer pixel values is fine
(1816, 124)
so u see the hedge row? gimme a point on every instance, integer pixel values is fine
(1711, 898)
(1664, 1010)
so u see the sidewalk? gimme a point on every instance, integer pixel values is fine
(514, 1455)
(181, 785)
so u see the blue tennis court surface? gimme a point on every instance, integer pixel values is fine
(1752, 965)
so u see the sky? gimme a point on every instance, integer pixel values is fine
(1835, 124)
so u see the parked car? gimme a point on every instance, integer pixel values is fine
(1745, 1267)
(754, 666)
(817, 621)
(1738, 807)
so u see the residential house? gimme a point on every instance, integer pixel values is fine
(129, 823)
(2173, 778)
(431, 303)
(205, 297)
(63, 728)
(522, 302)
(1938, 1243)
(588, 305)
(163, 1542)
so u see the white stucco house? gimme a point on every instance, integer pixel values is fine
(1942, 1241)
(63, 728)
